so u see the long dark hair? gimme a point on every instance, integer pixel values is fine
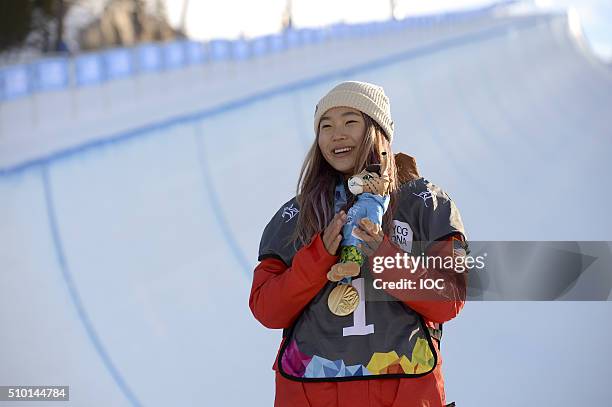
(317, 183)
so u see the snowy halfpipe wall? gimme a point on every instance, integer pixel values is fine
(126, 263)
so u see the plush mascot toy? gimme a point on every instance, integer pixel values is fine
(371, 188)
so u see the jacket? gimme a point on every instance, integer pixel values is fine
(282, 289)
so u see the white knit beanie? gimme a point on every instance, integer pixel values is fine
(365, 97)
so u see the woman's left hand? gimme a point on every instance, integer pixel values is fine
(371, 234)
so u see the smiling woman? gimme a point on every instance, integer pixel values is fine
(340, 122)
(341, 131)
(333, 352)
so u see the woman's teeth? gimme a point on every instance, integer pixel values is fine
(342, 150)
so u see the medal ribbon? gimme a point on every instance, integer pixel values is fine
(339, 201)
(340, 195)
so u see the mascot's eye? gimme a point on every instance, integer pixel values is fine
(367, 176)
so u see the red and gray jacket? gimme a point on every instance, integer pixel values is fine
(388, 335)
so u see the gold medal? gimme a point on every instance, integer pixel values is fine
(343, 300)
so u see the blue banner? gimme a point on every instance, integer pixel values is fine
(277, 42)
(149, 58)
(339, 31)
(259, 46)
(219, 50)
(308, 36)
(15, 82)
(320, 35)
(240, 50)
(194, 51)
(118, 63)
(293, 38)
(51, 74)
(174, 55)
(88, 69)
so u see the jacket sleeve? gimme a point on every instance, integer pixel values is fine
(436, 305)
(279, 293)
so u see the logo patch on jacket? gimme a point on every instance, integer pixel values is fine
(425, 195)
(289, 212)
(402, 235)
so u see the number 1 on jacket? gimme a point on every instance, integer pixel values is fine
(359, 317)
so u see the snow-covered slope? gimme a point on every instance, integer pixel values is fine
(131, 212)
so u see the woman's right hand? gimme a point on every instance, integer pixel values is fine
(331, 234)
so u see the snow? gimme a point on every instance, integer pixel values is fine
(131, 211)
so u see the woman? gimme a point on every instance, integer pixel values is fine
(386, 352)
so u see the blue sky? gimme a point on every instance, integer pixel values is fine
(596, 19)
